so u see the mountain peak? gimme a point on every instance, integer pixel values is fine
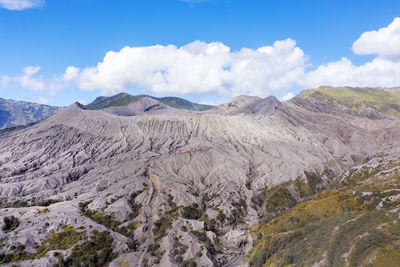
(124, 99)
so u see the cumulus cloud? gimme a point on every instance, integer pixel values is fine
(382, 71)
(384, 42)
(196, 68)
(20, 4)
(71, 73)
(376, 73)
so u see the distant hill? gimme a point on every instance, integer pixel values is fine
(19, 113)
(124, 99)
(367, 102)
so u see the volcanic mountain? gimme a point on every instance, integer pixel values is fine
(154, 185)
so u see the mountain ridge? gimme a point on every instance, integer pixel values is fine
(19, 113)
(186, 188)
(124, 99)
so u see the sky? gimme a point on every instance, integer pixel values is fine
(57, 52)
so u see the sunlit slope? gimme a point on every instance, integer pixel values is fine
(18, 113)
(361, 101)
(353, 223)
(124, 99)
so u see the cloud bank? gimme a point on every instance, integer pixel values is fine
(20, 4)
(196, 68)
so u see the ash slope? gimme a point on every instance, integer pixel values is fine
(170, 189)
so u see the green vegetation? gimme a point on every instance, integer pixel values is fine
(17, 253)
(17, 114)
(178, 250)
(313, 180)
(359, 100)
(95, 252)
(154, 251)
(181, 103)
(135, 207)
(124, 99)
(41, 211)
(278, 199)
(46, 202)
(202, 236)
(161, 227)
(188, 263)
(64, 239)
(109, 221)
(193, 212)
(22, 203)
(10, 224)
(121, 99)
(238, 213)
(355, 218)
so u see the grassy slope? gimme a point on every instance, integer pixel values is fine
(357, 99)
(121, 99)
(181, 103)
(353, 223)
(124, 99)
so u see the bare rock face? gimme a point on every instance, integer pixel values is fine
(172, 187)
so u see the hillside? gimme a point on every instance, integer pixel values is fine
(355, 222)
(18, 113)
(369, 102)
(124, 99)
(253, 181)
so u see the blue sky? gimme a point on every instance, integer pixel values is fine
(39, 40)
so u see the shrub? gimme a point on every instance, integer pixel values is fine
(313, 179)
(202, 236)
(64, 239)
(135, 207)
(192, 213)
(189, 263)
(97, 252)
(10, 224)
(221, 216)
(46, 202)
(279, 199)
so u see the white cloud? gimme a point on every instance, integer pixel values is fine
(20, 4)
(287, 97)
(382, 71)
(196, 68)
(71, 73)
(375, 73)
(32, 81)
(28, 81)
(384, 42)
